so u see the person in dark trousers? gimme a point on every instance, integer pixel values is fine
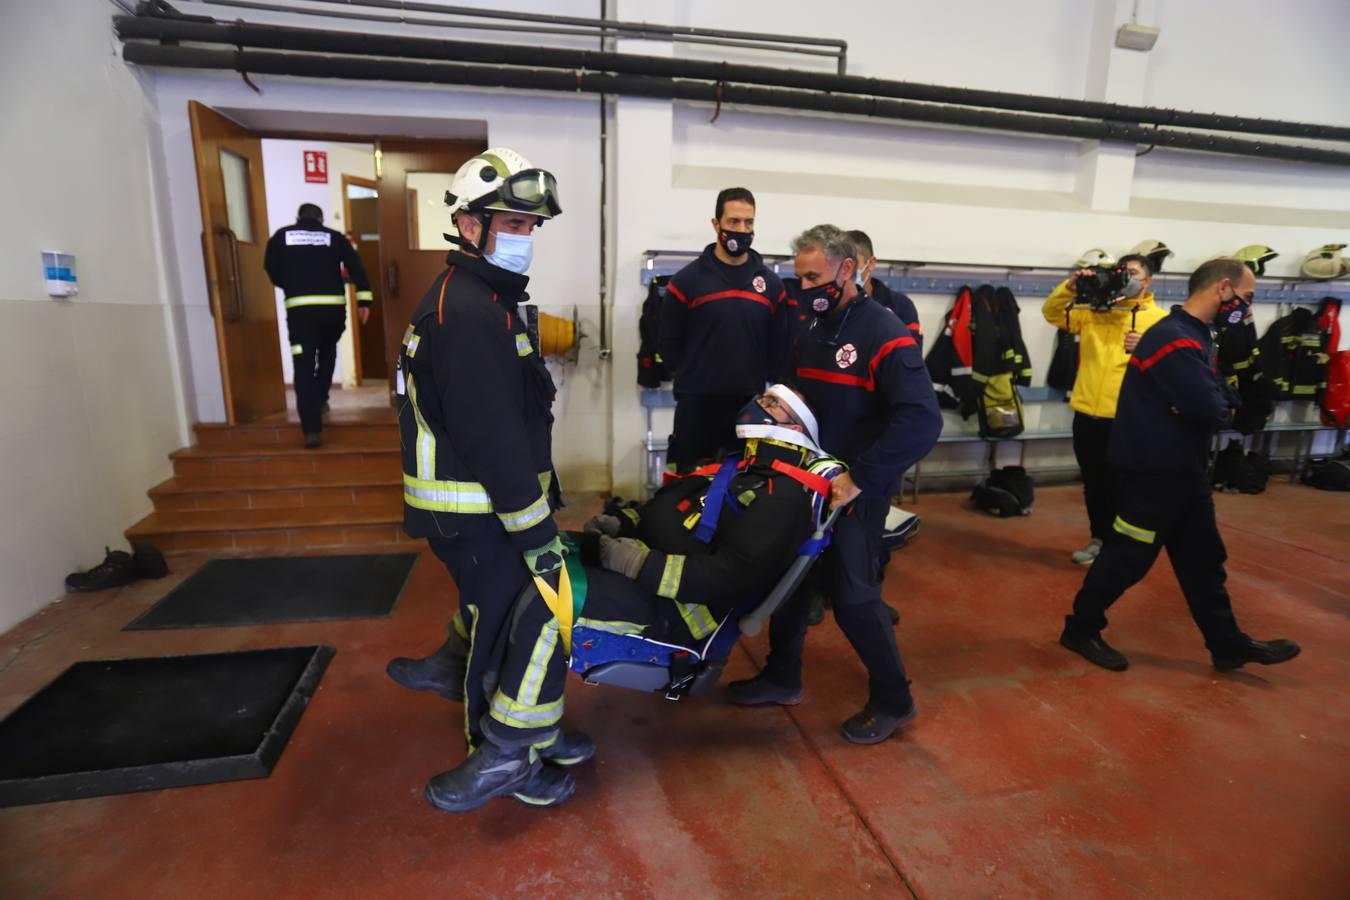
(1171, 403)
(478, 482)
(897, 302)
(723, 333)
(306, 261)
(861, 369)
(1106, 338)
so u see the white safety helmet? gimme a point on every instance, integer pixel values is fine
(501, 179)
(1156, 252)
(809, 440)
(1093, 258)
(1325, 263)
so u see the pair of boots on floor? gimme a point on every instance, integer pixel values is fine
(536, 775)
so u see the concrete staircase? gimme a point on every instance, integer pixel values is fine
(250, 487)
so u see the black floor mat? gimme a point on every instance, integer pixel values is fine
(275, 589)
(114, 726)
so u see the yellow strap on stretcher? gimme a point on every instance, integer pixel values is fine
(560, 603)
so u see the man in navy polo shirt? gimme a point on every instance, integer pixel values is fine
(723, 333)
(861, 369)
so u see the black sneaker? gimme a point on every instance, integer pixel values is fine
(313, 440)
(1266, 653)
(572, 748)
(760, 691)
(148, 561)
(872, 726)
(442, 672)
(490, 771)
(548, 786)
(1096, 651)
(116, 570)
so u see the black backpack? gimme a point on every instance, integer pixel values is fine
(1240, 473)
(1008, 491)
(651, 370)
(1328, 475)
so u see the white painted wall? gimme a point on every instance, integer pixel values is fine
(284, 177)
(89, 390)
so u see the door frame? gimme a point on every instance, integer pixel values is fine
(351, 289)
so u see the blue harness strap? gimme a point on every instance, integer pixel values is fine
(716, 497)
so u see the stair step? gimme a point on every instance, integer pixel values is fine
(306, 489)
(375, 425)
(348, 455)
(248, 529)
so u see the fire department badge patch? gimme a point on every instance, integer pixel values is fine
(846, 356)
(759, 284)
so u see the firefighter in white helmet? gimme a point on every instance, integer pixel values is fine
(479, 485)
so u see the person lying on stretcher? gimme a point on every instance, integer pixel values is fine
(666, 571)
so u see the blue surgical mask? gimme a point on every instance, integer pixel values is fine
(514, 252)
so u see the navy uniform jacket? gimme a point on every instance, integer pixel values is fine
(1171, 401)
(900, 304)
(723, 328)
(474, 414)
(864, 376)
(305, 260)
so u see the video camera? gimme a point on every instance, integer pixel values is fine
(1105, 286)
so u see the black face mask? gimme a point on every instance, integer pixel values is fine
(824, 298)
(735, 243)
(1231, 312)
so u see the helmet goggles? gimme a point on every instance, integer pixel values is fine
(532, 191)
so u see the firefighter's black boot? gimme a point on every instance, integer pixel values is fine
(572, 748)
(490, 771)
(148, 561)
(548, 786)
(442, 672)
(116, 570)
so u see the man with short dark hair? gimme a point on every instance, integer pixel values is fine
(723, 333)
(1106, 337)
(306, 260)
(1171, 403)
(896, 301)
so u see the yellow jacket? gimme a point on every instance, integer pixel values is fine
(1102, 359)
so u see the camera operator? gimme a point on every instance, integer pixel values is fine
(1106, 308)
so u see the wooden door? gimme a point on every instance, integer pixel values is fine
(234, 239)
(413, 178)
(363, 229)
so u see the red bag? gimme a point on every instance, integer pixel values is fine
(1336, 397)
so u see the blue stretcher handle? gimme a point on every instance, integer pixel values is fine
(752, 622)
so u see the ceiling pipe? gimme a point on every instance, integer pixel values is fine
(496, 76)
(279, 37)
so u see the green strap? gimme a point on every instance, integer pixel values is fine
(577, 572)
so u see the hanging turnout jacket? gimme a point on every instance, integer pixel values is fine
(1294, 355)
(1238, 363)
(980, 351)
(724, 329)
(1336, 398)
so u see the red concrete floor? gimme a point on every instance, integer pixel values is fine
(1028, 773)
